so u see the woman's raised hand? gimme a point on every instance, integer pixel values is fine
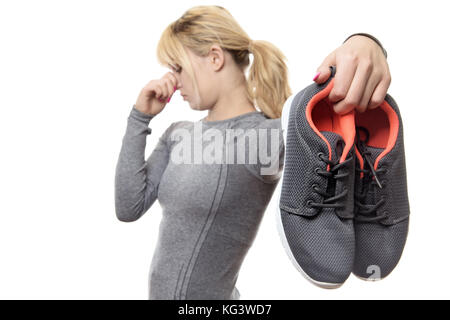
(362, 75)
(156, 94)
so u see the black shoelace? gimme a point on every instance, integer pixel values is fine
(330, 200)
(367, 212)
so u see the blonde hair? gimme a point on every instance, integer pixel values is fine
(201, 26)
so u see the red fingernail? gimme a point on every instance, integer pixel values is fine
(317, 75)
(175, 88)
(168, 100)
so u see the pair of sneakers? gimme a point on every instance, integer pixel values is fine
(343, 204)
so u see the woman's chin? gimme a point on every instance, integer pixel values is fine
(196, 108)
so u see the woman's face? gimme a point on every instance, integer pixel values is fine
(206, 77)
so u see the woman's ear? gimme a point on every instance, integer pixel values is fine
(216, 57)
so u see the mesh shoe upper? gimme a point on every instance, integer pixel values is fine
(306, 147)
(381, 198)
(316, 200)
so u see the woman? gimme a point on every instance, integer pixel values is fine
(212, 209)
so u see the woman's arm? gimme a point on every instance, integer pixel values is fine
(362, 74)
(270, 153)
(137, 180)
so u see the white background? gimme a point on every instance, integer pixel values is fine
(70, 72)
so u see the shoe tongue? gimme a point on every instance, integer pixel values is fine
(373, 191)
(361, 143)
(374, 153)
(337, 144)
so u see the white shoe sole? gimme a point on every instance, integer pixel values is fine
(284, 124)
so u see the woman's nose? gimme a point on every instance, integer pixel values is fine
(178, 84)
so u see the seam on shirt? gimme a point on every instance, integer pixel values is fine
(207, 232)
(206, 222)
(200, 234)
(176, 286)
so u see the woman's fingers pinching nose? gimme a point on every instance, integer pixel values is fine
(168, 100)
(174, 89)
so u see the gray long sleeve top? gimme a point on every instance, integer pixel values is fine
(211, 211)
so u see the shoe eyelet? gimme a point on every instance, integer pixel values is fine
(320, 154)
(308, 203)
(314, 186)
(316, 170)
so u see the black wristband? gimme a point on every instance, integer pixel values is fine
(371, 37)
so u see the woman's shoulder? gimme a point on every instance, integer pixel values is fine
(182, 124)
(272, 124)
(255, 121)
(260, 120)
(265, 127)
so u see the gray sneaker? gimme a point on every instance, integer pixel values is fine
(381, 196)
(315, 216)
